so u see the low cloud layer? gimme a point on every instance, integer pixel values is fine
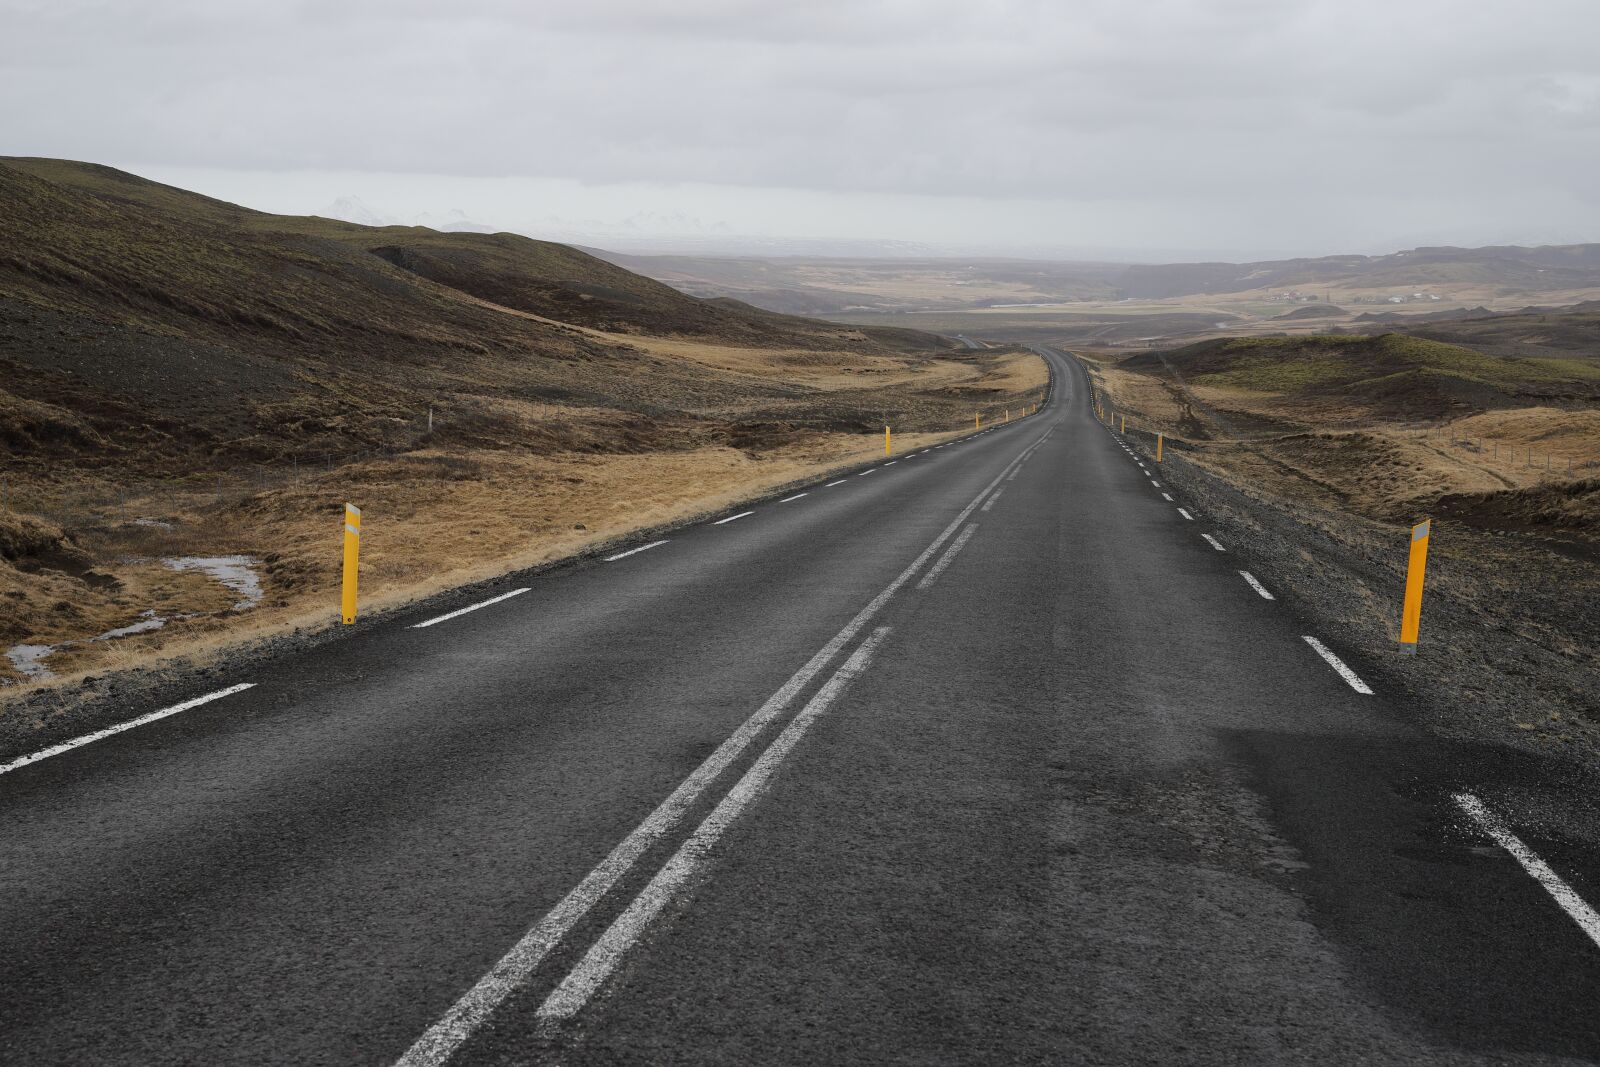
(1290, 124)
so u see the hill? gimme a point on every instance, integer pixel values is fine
(1391, 375)
(1508, 267)
(182, 379)
(1555, 332)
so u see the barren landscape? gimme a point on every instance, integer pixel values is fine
(1317, 454)
(187, 383)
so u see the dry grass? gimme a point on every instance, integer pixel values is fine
(434, 519)
(1341, 454)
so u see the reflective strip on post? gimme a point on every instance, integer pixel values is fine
(352, 562)
(1416, 567)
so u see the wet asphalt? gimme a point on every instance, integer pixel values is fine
(1090, 798)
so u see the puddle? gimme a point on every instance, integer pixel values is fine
(147, 622)
(27, 659)
(235, 572)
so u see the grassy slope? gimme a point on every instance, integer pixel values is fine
(1328, 419)
(176, 372)
(1393, 375)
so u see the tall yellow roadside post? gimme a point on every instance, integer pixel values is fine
(1158, 447)
(1124, 424)
(977, 421)
(352, 561)
(1411, 613)
(888, 442)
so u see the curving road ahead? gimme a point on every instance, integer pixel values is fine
(995, 752)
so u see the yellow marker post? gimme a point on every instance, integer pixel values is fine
(352, 561)
(1411, 613)
(1124, 424)
(977, 422)
(888, 442)
(1008, 414)
(1158, 447)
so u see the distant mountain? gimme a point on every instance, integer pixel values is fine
(352, 209)
(1507, 267)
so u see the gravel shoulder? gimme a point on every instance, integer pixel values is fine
(1506, 652)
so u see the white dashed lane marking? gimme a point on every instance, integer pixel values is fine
(1214, 543)
(632, 551)
(1256, 585)
(786, 499)
(730, 518)
(1185, 514)
(79, 742)
(1351, 677)
(1577, 909)
(485, 603)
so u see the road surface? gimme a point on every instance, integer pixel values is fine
(989, 753)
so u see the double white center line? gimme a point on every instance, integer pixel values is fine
(602, 958)
(474, 1008)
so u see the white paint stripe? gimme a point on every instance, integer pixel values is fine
(79, 742)
(1256, 585)
(444, 1037)
(1167, 497)
(1337, 664)
(891, 463)
(949, 554)
(1185, 514)
(1155, 483)
(990, 502)
(481, 604)
(631, 551)
(786, 499)
(1575, 906)
(830, 485)
(1214, 542)
(730, 518)
(606, 953)
(863, 474)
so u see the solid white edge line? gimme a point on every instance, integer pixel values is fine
(730, 518)
(949, 554)
(474, 607)
(1577, 909)
(1256, 585)
(1351, 677)
(602, 958)
(441, 1040)
(632, 551)
(786, 499)
(1184, 512)
(79, 742)
(1214, 542)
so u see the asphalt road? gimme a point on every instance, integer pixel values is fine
(986, 754)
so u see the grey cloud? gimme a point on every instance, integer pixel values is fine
(1209, 103)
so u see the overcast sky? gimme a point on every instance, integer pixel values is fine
(1215, 126)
